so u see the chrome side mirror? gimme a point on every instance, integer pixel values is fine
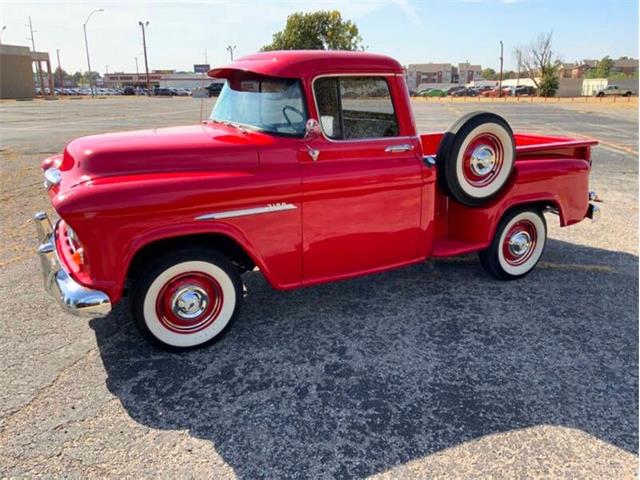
(312, 129)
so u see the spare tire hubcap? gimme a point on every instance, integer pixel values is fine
(483, 159)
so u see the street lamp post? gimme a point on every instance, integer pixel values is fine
(231, 49)
(500, 85)
(144, 46)
(86, 46)
(2, 32)
(60, 76)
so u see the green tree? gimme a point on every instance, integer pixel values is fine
(77, 78)
(56, 76)
(603, 69)
(548, 84)
(489, 74)
(321, 30)
(94, 76)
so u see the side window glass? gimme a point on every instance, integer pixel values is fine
(355, 108)
(367, 108)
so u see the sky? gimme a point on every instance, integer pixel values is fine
(413, 31)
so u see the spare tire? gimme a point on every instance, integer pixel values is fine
(476, 158)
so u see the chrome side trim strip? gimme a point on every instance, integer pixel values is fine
(274, 207)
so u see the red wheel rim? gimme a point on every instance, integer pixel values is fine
(189, 302)
(519, 242)
(483, 160)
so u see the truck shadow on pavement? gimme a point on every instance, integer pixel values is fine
(355, 378)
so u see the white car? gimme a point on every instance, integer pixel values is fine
(613, 90)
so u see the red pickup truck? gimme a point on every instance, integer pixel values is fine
(309, 169)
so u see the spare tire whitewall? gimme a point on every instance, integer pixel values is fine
(477, 158)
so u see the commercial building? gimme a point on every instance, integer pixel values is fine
(159, 78)
(441, 73)
(16, 71)
(468, 73)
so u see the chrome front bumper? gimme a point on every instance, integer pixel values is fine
(73, 297)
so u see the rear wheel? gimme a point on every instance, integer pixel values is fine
(517, 245)
(189, 298)
(476, 158)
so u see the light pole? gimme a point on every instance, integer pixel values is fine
(60, 71)
(2, 32)
(500, 85)
(230, 49)
(144, 46)
(137, 72)
(86, 46)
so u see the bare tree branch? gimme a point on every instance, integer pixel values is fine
(537, 57)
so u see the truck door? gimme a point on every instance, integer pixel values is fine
(361, 182)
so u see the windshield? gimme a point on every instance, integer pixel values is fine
(269, 104)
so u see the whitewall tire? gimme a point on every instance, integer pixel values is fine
(476, 158)
(517, 245)
(187, 299)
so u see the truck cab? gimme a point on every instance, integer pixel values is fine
(309, 169)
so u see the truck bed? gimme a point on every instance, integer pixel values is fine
(528, 145)
(550, 171)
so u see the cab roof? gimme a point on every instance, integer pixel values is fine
(308, 63)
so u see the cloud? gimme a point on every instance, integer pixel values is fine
(410, 12)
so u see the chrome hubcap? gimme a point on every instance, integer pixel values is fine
(483, 159)
(519, 244)
(189, 302)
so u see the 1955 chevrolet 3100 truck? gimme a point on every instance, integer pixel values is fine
(309, 168)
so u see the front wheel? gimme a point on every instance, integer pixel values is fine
(517, 245)
(187, 299)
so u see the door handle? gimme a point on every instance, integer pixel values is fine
(405, 147)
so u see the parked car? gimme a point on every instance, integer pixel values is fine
(291, 176)
(215, 88)
(451, 90)
(434, 92)
(163, 92)
(496, 92)
(465, 92)
(129, 91)
(613, 90)
(524, 91)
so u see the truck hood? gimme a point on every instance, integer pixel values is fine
(197, 148)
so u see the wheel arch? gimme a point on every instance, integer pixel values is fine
(545, 204)
(226, 241)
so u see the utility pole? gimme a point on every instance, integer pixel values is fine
(519, 53)
(86, 45)
(39, 68)
(2, 32)
(230, 49)
(144, 46)
(501, 59)
(60, 70)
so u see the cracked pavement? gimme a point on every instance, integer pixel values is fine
(431, 371)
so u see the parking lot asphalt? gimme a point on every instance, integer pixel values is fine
(431, 371)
